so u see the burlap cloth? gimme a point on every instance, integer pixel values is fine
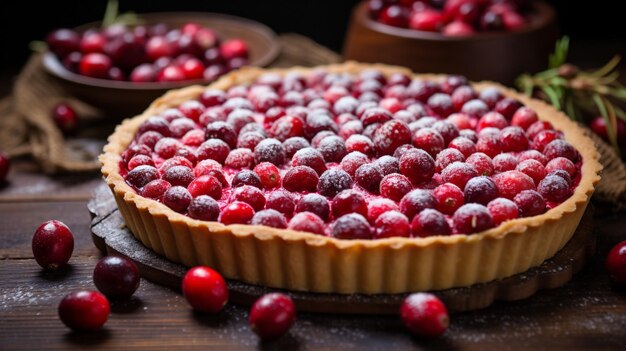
(26, 128)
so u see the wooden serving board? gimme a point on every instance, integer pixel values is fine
(111, 236)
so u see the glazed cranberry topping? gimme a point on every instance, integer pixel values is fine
(366, 156)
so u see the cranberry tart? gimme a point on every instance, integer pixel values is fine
(352, 178)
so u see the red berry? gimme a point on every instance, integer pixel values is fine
(171, 74)
(348, 201)
(52, 244)
(533, 169)
(205, 289)
(390, 136)
(480, 190)
(472, 218)
(206, 185)
(95, 65)
(351, 226)
(63, 41)
(5, 165)
(250, 195)
(616, 263)
(269, 218)
(416, 201)
(155, 189)
(458, 29)
(424, 315)
(369, 176)
(504, 162)
(301, 179)
(394, 15)
(234, 48)
(178, 175)
(458, 173)
(307, 222)
(204, 208)
(84, 310)
(502, 210)
(427, 20)
(314, 203)
(116, 277)
(524, 117)
(177, 198)
(429, 140)
(417, 165)
(237, 212)
(530, 203)
(391, 224)
(554, 188)
(511, 183)
(449, 198)
(429, 222)
(394, 186)
(269, 175)
(272, 315)
(65, 118)
(309, 157)
(563, 164)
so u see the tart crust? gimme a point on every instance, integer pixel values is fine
(283, 258)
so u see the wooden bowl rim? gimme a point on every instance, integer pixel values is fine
(53, 64)
(542, 15)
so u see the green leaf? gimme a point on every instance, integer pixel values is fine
(620, 113)
(553, 95)
(607, 68)
(570, 109)
(559, 56)
(110, 14)
(609, 119)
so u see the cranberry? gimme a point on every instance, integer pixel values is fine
(140, 160)
(504, 162)
(388, 164)
(480, 190)
(206, 185)
(52, 244)
(533, 169)
(511, 183)
(250, 195)
(293, 145)
(390, 136)
(458, 29)
(492, 119)
(447, 129)
(307, 222)
(464, 145)
(513, 139)
(95, 65)
(427, 20)
(352, 161)
(126, 50)
(561, 148)
(502, 210)
(441, 104)
(489, 144)
(394, 15)
(84, 310)
(237, 212)
(63, 41)
(530, 203)
(429, 222)
(416, 201)
(281, 201)
(178, 175)
(458, 173)
(429, 140)
(269, 175)
(272, 315)
(348, 201)
(314, 203)
(351, 226)
(417, 165)
(205, 289)
(204, 208)
(475, 108)
(424, 315)
(167, 147)
(192, 110)
(270, 218)
(554, 188)
(360, 143)
(309, 157)
(157, 124)
(234, 48)
(472, 218)
(598, 125)
(375, 115)
(449, 198)
(537, 127)
(533, 155)
(616, 263)
(459, 97)
(447, 157)
(391, 224)
(334, 181)
(270, 150)
(524, 117)
(394, 186)
(543, 138)
(369, 176)
(240, 158)
(246, 177)
(65, 118)
(379, 206)
(213, 149)
(333, 148)
(155, 189)
(142, 175)
(563, 164)
(301, 179)
(177, 198)
(116, 277)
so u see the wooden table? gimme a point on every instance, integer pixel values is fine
(588, 313)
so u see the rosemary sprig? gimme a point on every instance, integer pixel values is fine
(580, 94)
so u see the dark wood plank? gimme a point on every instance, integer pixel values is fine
(19, 220)
(27, 183)
(587, 314)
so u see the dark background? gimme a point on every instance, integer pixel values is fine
(598, 24)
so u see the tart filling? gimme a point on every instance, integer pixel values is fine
(347, 154)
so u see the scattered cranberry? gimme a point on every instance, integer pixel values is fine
(616, 263)
(53, 244)
(205, 289)
(65, 118)
(95, 65)
(272, 315)
(424, 315)
(116, 277)
(5, 165)
(84, 310)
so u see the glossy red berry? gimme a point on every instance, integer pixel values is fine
(84, 310)
(53, 244)
(95, 65)
(237, 212)
(424, 315)
(5, 165)
(205, 289)
(616, 263)
(116, 277)
(65, 118)
(272, 315)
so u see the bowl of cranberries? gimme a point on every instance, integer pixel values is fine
(122, 68)
(480, 39)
